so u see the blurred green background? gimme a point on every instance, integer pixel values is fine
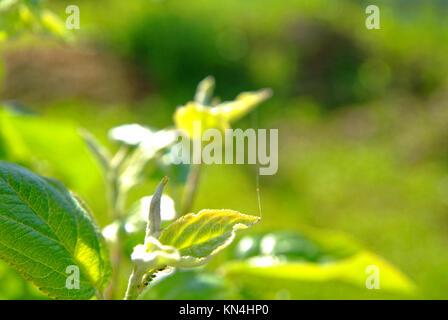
(362, 118)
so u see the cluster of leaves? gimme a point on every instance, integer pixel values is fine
(47, 229)
(41, 219)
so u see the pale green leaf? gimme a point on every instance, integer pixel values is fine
(199, 237)
(218, 117)
(44, 230)
(243, 104)
(186, 116)
(313, 256)
(353, 270)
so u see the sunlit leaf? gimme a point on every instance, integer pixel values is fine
(199, 237)
(352, 270)
(244, 103)
(186, 116)
(215, 117)
(44, 230)
(311, 256)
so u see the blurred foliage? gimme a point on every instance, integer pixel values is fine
(287, 262)
(57, 150)
(29, 15)
(362, 118)
(316, 257)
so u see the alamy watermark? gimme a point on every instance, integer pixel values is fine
(209, 147)
(373, 20)
(373, 280)
(72, 21)
(72, 281)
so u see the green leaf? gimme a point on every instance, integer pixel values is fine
(44, 230)
(199, 237)
(311, 256)
(243, 104)
(353, 270)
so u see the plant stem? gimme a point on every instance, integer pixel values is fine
(116, 201)
(190, 188)
(116, 257)
(133, 290)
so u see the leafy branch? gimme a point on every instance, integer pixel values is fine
(53, 222)
(189, 242)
